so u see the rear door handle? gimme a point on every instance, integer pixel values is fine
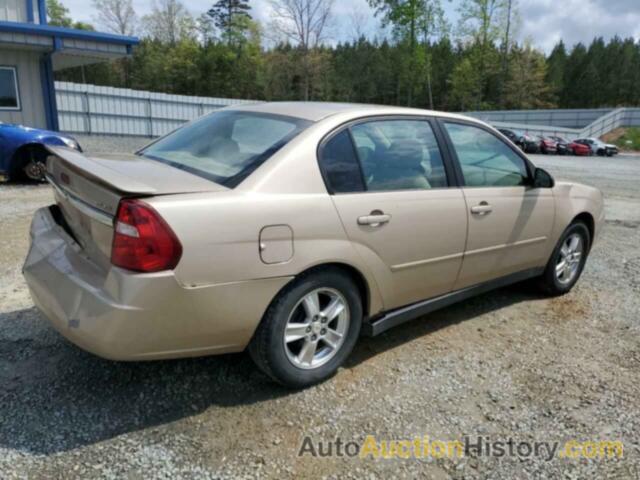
(482, 209)
(374, 219)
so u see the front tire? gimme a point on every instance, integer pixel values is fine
(567, 260)
(309, 329)
(29, 164)
(34, 170)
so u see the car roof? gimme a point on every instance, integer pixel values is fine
(317, 111)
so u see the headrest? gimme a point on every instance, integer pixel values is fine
(404, 154)
(225, 146)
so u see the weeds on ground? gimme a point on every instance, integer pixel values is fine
(629, 140)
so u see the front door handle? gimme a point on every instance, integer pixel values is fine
(481, 209)
(374, 219)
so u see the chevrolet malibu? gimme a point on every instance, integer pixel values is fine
(290, 229)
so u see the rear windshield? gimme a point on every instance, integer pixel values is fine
(226, 146)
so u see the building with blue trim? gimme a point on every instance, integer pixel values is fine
(31, 50)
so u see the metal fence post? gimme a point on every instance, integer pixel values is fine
(149, 117)
(87, 112)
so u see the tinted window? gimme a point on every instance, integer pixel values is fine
(399, 155)
(226, 146)
(486, 161)
(8, 89)
(340, 164)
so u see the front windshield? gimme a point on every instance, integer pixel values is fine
(226, 146)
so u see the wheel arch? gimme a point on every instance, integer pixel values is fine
(16, 162)
(368, 293)
(354, 273)
(589, 221)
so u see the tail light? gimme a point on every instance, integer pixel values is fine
(142, 240)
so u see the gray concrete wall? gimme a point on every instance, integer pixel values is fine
(27, 65)
(563, 118)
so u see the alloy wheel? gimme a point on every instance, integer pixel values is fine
(569, 258)
(317, 328)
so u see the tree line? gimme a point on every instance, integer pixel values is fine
(417, 58)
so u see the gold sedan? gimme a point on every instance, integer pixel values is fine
(292, 228)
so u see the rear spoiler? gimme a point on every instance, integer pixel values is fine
(97, 172)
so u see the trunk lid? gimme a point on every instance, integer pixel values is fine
(88, 191)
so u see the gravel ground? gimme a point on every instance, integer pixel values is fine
(507, 364)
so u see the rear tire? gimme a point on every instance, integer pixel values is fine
(309, 329)
(567, 260)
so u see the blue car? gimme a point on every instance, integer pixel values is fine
(22, 153)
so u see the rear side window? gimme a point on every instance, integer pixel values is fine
(340, 165)
(485, 160)
(399, 155)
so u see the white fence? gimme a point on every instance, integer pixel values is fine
(118, 111)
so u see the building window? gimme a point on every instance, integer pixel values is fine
(9, 96)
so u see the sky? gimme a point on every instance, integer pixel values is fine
(543, 22)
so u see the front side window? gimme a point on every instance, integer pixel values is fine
(226, 146)
(399, 155)
(9, 97)
(485, 160)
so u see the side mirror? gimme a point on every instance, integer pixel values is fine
(542, 179)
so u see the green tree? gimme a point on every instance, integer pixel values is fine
(511, 18)
(279, 73)
(627, 81)
(419, 64)
(444, 59)
(305, 23)
(597, 63)
(117, 16)
(414, 23)
(58, 16)
(466, 85)
(169, 22)
(482, 24)
(527, 87)
(206, 29)
(573, 94)
(556, 69)
(232, 18)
